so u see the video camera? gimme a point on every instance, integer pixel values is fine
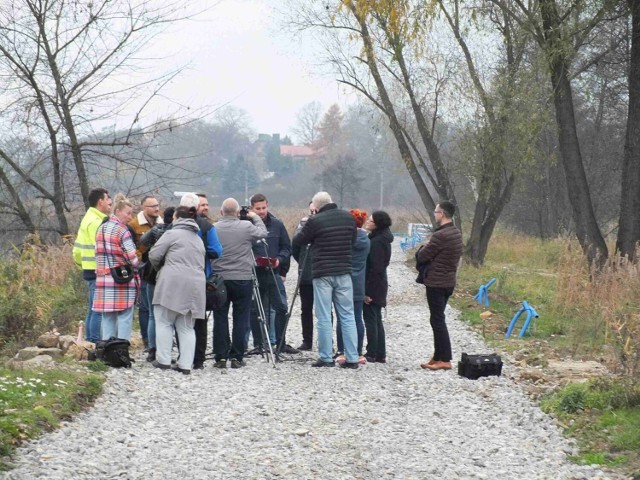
(244, 213)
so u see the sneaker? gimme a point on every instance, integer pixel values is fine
(235, 363)
(184, 371)
(220, 364)
(320, 363)
(198, 366)
(255, 351)
(289, 349)
(340, 359)
(159, 365)
(352, 365)
(362, 360)
(304, 347)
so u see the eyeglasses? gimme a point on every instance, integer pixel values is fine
(152, 206)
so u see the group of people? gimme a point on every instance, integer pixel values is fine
(342, 262)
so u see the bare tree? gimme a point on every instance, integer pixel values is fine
(307, 123)
(66, 72)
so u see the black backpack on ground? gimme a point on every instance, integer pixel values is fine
(114, 352)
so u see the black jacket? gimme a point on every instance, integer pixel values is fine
(376, 284)
(278, 244)
(331, 232)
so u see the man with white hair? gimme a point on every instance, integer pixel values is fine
(213, 250)
(236, 267)
(331, 232)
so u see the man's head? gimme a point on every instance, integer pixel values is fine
(444, 212)
(230, 208)
(99, 199)
(321, 199)
(203, 206)
(190, 200)
(260, 205)
(150, 207)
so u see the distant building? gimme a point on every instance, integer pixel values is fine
(296, 152)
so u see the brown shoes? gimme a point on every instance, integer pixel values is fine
(436, 365)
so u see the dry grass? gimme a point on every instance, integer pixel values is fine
(607, 300)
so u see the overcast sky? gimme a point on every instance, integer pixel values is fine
(241, 54)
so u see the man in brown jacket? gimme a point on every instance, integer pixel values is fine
(442, 255)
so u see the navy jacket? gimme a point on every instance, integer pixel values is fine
(278, 244)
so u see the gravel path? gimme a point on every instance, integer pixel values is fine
(392, 421)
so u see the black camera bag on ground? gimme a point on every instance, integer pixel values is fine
(216, 292)
(476, 366)
(114, 352)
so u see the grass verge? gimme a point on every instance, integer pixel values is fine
(34, 401)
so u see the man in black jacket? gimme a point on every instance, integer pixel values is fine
(331, 232)
(278, 248)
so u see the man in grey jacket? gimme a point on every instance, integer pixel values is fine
(236, 267)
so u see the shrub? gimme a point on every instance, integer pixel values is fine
(40, 287)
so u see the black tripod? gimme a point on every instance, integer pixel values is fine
(265, 349)
(293, 301)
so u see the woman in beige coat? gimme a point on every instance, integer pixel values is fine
(179, 297)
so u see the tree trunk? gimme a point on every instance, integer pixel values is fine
(485, 217)
(587, 230)
(629, 224)
(394, 124)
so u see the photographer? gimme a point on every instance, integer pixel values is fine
(236, 267)
(303, 253)
(278, 248)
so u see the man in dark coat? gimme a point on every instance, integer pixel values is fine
(442, 254)
(331, 233)
(278, 248)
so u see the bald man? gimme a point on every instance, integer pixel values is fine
(236, 267)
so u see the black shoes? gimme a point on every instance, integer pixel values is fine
(184, 371)
(235, 363)
(220, 364)
(159, 365)
(320, 363)
(289, 349)
(304, 347)
(151, 356)
(353, 366)
(198, 366)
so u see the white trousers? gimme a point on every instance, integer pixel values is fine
(166, 321)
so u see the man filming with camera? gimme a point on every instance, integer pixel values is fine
(277, 251)
(236, 267)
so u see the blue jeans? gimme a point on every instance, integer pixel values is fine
(357, 313)
(336, 289)
(239, 294)
(151, 326)
(117, 324)
(93, 319)
(144, 308)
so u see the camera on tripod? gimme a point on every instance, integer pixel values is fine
(244, 212)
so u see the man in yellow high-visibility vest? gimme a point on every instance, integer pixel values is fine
(84, 253)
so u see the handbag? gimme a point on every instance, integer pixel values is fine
(121, 274)
(216, 291)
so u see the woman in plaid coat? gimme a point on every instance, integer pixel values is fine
(114, 247)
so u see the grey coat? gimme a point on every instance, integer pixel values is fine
(237, 237)
(179, 258)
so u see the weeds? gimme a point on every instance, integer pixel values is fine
(35, 401)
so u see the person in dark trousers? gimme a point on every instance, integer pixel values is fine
(235, 266)
(442, 255)
(304, 256)
(376, 285)
(278, 248)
